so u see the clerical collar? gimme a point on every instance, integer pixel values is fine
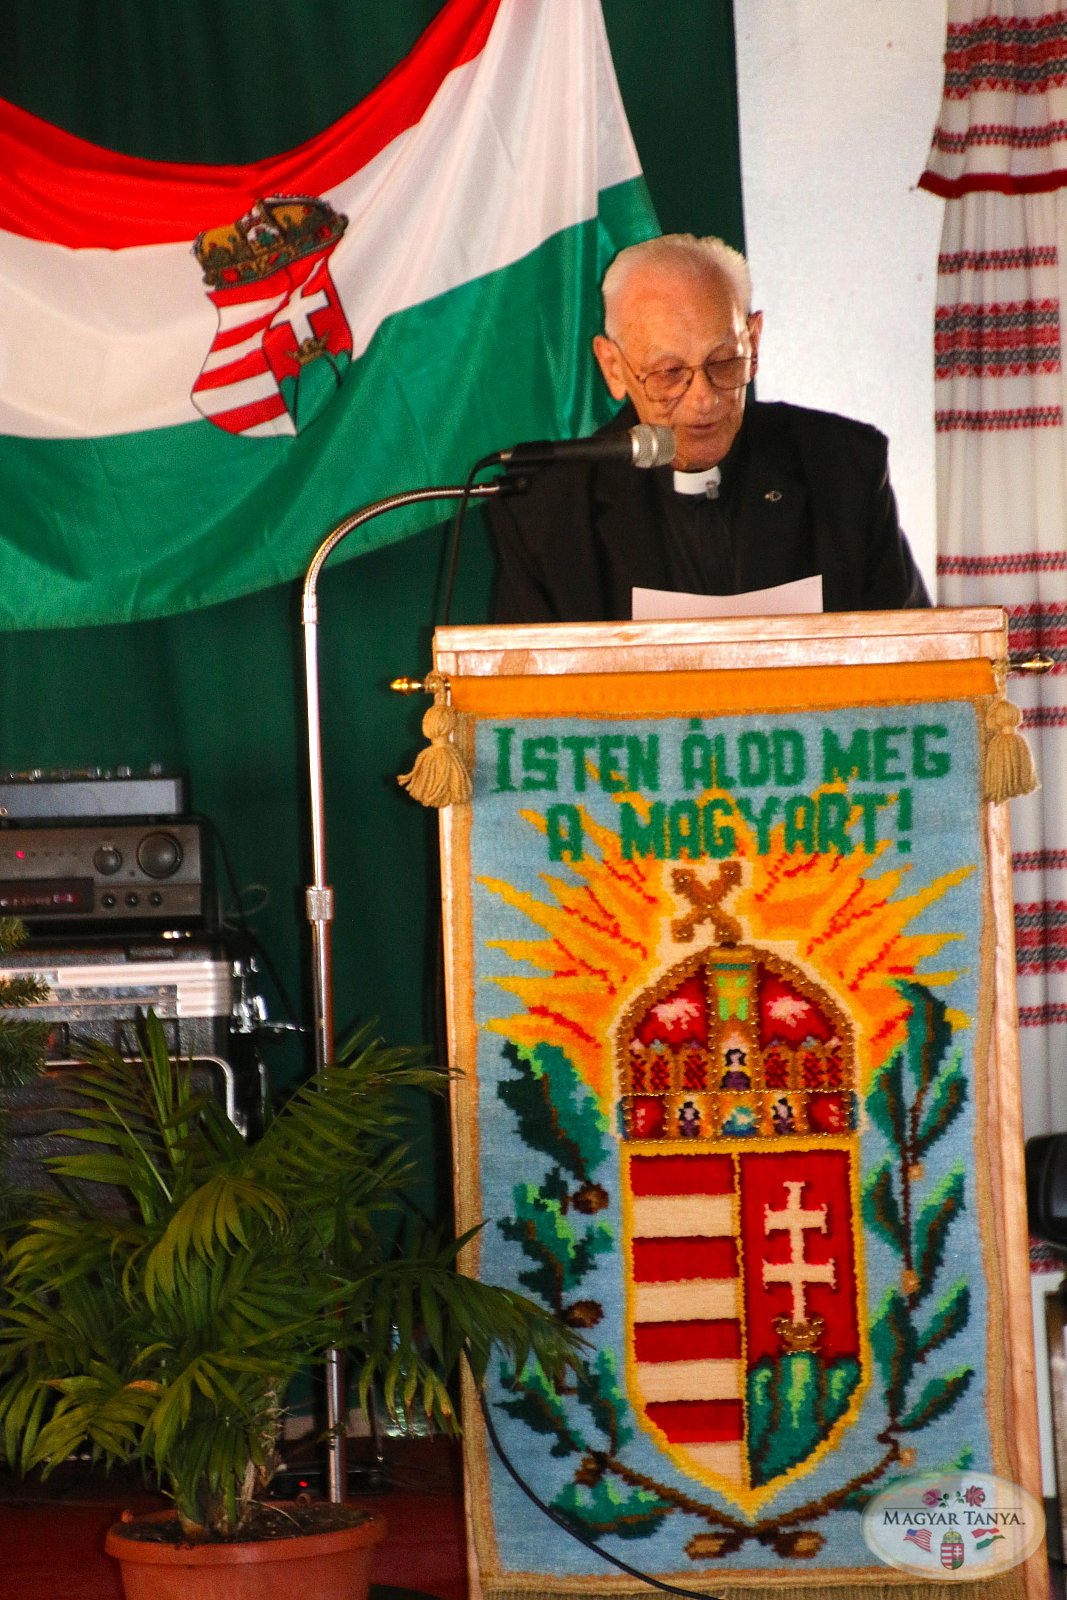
(705, 483)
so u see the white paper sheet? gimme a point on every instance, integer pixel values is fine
(802, 598)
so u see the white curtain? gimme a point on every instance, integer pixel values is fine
(999, 158)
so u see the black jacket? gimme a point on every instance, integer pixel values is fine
(813, 496)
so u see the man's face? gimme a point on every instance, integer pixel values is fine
(680, 317)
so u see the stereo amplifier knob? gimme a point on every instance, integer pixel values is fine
(107, 859)
(159, 855)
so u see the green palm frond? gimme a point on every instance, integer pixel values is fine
(22, 1048)
(165, 1329)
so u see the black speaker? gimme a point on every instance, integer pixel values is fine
(1046, 1187)
(36, 1110)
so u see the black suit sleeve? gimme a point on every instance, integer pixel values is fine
(891, 580)
(521, 593)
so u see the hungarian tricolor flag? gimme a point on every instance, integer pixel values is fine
(202, 368)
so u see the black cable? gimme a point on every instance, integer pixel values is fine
(508, 483)
(252, 942)
(561, 1522)
(457, 528)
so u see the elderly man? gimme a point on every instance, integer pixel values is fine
(757, 495)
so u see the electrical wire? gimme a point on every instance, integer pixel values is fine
(561, 1522)
(240, 928)
(456, 530)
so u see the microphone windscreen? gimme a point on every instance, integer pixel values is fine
(653, 445)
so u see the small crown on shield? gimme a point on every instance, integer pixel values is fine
(799, 1335)
(277, 230)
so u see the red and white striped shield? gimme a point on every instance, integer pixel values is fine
(283, 342)
(747, 1355)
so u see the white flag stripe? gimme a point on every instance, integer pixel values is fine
(231, 349)
(248, 314)
(682, 1216)
(111, 341)
(722, 1460)
(275, 427)
(689, 1380)
(234, 395)
(692, 1301)
(218, 372)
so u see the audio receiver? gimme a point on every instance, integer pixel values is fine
(91, 876)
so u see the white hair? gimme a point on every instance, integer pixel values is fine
(675, 250)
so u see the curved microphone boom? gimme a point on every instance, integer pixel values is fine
(646, 445)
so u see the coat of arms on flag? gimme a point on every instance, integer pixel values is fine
(283, 342)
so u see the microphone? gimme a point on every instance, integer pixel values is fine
(644, 446)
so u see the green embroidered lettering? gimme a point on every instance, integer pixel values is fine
(904, 819)
(505, 738)
(697, 769)
(870, 803)
(851, 761)
(753, 759)
(886, 753)
(683, 830)
(720, 768)
(788, 756)
(564, 833)
(832, 823)
(720, 838)
(641, 838)
(540, 763)
(579, 746)
(642, 762)
(927, 763)
(611, 780)
(763, 819)
(800, 824)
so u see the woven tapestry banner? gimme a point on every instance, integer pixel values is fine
(722, 991)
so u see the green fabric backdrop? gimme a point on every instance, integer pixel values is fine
(218, 693)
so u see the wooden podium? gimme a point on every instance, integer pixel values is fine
(731, 987)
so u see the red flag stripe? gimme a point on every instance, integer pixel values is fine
(698, 1421)
(246, 366)
(682, 1260)
(681, 1174)
(687, 1341)
(61, 188)
(241, 418)
(228, 338)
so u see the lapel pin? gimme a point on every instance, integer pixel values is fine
(774, 495)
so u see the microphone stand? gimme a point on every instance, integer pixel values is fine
(319, 895)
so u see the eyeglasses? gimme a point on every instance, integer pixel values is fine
(664, 385)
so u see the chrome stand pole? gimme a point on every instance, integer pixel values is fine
(319, 895)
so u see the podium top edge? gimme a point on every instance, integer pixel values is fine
(946, 632)
(825, 624)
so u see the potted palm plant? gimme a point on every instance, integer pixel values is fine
(162, 1324)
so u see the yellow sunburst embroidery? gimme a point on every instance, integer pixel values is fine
(607, 933)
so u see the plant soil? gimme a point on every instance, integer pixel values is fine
(294, 1518)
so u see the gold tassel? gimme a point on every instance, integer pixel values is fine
(1009, 766)
(440, 776)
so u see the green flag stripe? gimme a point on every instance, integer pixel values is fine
(150, 524)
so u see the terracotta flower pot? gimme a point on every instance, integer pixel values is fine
(331, 1566)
